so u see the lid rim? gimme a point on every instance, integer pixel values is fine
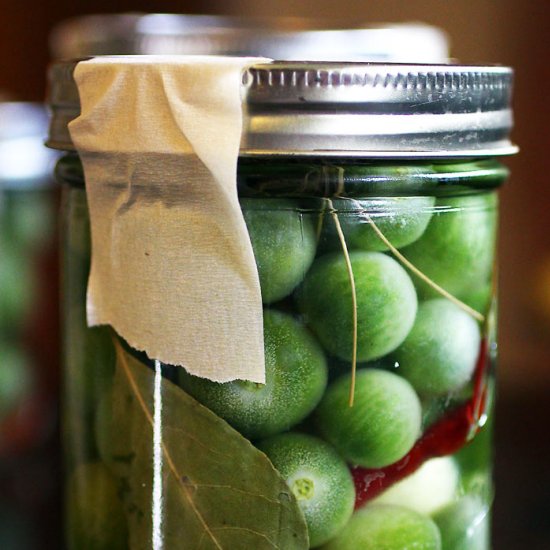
(374, 110)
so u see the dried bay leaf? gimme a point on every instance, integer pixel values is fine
(218, 490)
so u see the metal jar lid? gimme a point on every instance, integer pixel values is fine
(368, 110)
(290, 38)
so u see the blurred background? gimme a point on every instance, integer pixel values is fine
(489, 31)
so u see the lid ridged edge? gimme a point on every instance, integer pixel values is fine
(353, 109)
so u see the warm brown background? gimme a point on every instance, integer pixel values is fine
(510, 32)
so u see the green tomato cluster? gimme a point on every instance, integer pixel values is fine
(413, 348)
(430, 343)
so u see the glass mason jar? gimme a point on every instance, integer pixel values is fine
(28, 280)
(29, 328)
(375, 247)
(274, 37)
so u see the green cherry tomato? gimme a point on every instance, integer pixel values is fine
(385, 527)
(386, 304)
(464, 524)
(440, 352)
(319, 479)
(383, 423)
(284, 244)
(296, 377)
(457, 249)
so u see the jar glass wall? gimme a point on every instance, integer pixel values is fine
(29, 329)
(29, 334)
(374, 424)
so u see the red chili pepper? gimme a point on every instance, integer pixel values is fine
(444, 437)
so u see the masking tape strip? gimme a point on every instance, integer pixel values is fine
(173, 270)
